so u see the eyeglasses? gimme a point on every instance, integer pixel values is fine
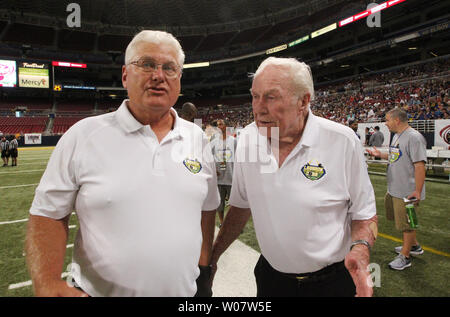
(148, 65)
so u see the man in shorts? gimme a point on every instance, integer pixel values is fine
(4, 145)
(13, 146)
(406, 179)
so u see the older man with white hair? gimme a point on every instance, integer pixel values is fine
(147, 217)
(308, 192)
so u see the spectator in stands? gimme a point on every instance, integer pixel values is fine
(438, 113)
(142, 229)
(13, 150)
(421, 115)
(4, 145)
(223, 148)
(294, 244)
(188, 111)
(406, 178)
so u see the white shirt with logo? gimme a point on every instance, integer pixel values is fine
(138, 203)
(302, 212)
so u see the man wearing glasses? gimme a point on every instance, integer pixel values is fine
(143, 219)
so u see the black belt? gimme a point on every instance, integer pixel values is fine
(322, 274)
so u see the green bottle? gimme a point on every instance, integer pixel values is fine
(412, 217)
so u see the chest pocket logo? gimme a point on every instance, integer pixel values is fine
(193, 166)
(394, 154)
(313, 172)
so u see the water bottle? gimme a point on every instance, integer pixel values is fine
(412, 217)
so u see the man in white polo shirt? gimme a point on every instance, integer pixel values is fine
(304, 181)
(146, 227)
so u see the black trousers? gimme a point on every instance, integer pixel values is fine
(333, 281)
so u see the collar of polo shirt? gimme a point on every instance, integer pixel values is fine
(310, 132)
(129, 123)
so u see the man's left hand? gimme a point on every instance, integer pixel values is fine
(357, 263)
(415, 194)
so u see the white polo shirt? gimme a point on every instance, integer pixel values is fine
(302, 212)
(138, 202)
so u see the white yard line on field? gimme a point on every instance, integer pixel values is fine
(17, 186)
(13, 221)
(20, 159)
(18, 172)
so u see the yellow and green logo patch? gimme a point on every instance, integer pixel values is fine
(193, 166)
(313, 172)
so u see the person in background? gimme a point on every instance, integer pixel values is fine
(188, 111)
(406, 179)
(4, 145)
(13, 150)
(377, 138)
(223, 148)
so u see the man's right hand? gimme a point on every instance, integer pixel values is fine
(59, 289)
(374, 152)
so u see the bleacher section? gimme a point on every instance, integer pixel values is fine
(13, 125)
(75, 106)
(30, 105)
(62, 124)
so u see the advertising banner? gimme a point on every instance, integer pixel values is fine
(33, 138)
(442, 133)
(8, 76)
(33, 75)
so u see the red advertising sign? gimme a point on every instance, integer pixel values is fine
(366, 13)
(68, 64)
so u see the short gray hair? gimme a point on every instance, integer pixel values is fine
(398, 113)
(155, 37)
(299, 72)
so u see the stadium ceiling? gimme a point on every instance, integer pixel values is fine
(178, 16)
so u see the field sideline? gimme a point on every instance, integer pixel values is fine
(428, 276)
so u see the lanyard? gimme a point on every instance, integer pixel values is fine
(394, 144)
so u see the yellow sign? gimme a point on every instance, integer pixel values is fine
(324, 30)
(276, 49)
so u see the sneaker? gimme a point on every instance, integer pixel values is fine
(415, 250)
(400, 262)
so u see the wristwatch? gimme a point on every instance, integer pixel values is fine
(366, 243)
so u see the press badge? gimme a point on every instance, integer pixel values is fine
(394, 154)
